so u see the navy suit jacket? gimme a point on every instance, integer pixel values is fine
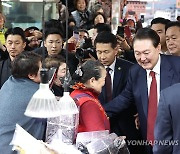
(136, 89)
(167, 127)
(5, 71)
(121, 71)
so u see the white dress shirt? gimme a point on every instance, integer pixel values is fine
(156, 69)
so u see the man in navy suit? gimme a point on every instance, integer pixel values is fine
(167, 72)
(167, 128)
(123, 124)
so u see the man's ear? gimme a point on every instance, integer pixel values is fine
(45, 43)
(31, 76)
(159, 47)
(116, 50)
(24, 45)
(92, 80)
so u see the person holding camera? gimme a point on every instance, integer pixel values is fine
(33, 38)
(86, 51)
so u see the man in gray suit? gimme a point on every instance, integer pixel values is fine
(167, 129)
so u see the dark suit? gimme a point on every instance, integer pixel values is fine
(5, 71)
(121, 71)
(168, 124)
(123, 124)
(136, 89)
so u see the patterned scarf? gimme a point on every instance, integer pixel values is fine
(84, 17)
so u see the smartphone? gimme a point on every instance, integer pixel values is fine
(120, 31)
(71, 47)
(127, 31)
(76, 35)
(52, 76)
(131, 13)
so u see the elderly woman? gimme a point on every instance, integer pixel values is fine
(81, 15)
(89, 79)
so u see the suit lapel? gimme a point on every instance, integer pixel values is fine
(117, 78)
(142, 82)
(103, 95)
(166, 73)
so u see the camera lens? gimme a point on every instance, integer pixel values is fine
(79, 53)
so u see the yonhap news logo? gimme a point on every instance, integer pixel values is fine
(155, 142)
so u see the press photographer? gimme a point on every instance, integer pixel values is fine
(86, 51)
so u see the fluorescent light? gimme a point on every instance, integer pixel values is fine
(150, 0)
(6, 4)
(37, 0)
(31, 0)
(22, 0)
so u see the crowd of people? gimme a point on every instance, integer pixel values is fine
(121, 83)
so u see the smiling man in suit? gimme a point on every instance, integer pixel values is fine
(153, 73)
(117, 72)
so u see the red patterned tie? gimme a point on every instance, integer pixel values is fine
(108, 85)
(152, 108)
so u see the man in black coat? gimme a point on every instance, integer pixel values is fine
(15, 44)
(53, 46)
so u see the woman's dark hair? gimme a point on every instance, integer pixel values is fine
(54, 61)
(96, 7)
(147, 33)
(71, 19)
(15, 31)
(89, 69)
(24, 64)
(102, 14)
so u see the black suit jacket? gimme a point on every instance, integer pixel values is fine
(5, 71)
